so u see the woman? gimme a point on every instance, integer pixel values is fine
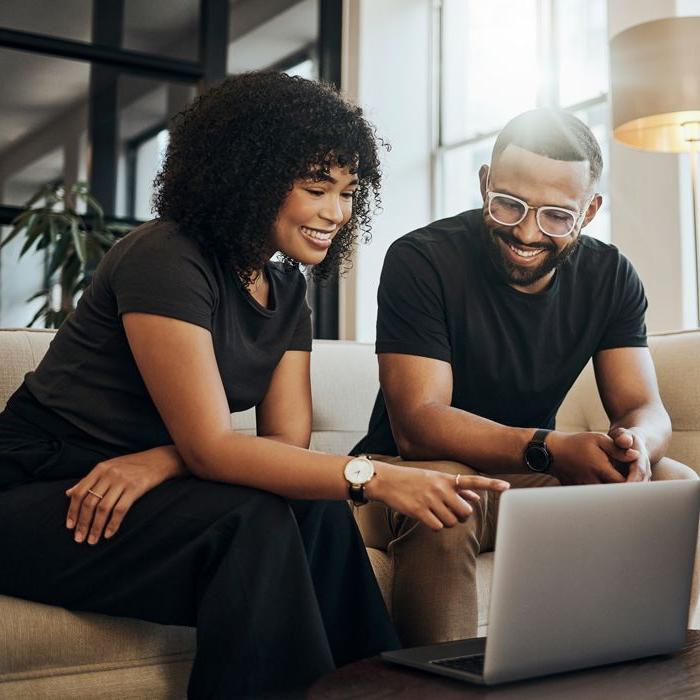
(187, 320)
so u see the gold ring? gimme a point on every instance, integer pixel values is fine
(96, 494)
(457, 480)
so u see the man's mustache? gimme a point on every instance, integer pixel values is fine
(506, 237)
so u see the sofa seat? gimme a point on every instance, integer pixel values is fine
(64, 643)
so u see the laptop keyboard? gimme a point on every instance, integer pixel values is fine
(474, 663)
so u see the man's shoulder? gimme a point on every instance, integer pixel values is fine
(442, 237)
(601, 256)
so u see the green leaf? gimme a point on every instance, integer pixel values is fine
(53, 230)
(19, 226)
(59, 255)
(36, 222)
(22, 217)
(13, 234)
(42, 293)
(95, 206)
(44, 310)
(70, 271)
(78, 242)
(41, 194)
(31, 239)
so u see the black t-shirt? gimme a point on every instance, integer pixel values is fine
(89, 376)
(514, 355)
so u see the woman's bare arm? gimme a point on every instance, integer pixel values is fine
(285, 412)
(177, 362)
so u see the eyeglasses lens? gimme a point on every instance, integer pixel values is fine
(553, 222)
(506, 211)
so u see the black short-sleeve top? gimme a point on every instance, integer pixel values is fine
(89, 376)
(513, 355)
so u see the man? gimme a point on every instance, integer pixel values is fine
(485, 320)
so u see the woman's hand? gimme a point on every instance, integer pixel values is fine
(104, 496)
(434, 498)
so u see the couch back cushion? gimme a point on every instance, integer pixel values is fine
(677, 360)
(20, 352)
(345, 381)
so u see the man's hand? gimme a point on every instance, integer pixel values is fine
(639, 469)
(104, 496)
(589, 458)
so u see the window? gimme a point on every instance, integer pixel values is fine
(500, 58)
(149, 157)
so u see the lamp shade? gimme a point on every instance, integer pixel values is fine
(655, 84)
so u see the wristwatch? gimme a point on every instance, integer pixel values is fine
(537, 457)
(358, 471)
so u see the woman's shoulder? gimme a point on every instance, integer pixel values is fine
(158, 245)
(157, 255)
(160, 235)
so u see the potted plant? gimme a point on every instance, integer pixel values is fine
(74, 243)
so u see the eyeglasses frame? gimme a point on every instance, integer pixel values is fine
(578, 216)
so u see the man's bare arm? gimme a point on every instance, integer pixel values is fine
(418, 394)
(630, 394)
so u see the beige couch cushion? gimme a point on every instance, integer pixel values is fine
(166, 680)
(20, 351)
(677, 361)
(345, 381)
(62, 639)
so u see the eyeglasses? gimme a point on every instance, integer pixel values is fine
(556, 222)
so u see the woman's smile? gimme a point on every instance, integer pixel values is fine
(318, 237)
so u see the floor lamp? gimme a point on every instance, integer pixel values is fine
(655, 90)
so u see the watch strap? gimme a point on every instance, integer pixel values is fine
(536, 455)
(540, 436)
(357, 494)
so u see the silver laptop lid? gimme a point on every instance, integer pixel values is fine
(589, 575)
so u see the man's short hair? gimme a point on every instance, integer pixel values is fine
(553, 133)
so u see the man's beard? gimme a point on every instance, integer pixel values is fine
(524, 276)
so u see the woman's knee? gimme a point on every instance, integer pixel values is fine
(212, 502)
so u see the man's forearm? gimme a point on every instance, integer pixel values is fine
(437, 431)
(651, 425)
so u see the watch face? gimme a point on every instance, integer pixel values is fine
(359, 471)
(537, 458)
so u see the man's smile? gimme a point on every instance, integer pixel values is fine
(517, 252)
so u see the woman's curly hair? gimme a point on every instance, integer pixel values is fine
(236, 151)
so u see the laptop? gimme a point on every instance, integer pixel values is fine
(583, 576)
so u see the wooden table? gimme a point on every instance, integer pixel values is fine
(656, 678)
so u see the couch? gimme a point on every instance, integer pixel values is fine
(47, 651)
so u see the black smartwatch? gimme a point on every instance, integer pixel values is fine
(537, 457)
